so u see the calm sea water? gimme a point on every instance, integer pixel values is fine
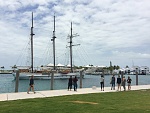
(7, 83)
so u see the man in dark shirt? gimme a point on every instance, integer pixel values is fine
(75, 83)
(113, 82)
(119, 82)
(70, 83)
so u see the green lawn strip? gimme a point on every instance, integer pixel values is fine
(113, 102)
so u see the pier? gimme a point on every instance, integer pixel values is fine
(53, 93)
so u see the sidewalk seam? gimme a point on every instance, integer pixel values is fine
(7, 97)
(42, 94)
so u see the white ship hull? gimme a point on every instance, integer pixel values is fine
(39, 76)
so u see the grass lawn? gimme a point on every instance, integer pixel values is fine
(113, 102)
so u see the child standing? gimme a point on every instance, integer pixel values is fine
(129, 82)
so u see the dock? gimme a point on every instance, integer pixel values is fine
(53, 93)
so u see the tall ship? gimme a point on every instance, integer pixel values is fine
(45, 72)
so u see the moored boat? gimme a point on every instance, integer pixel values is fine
(24, 76)
(46, 74)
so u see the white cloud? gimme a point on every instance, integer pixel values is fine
(110, 30)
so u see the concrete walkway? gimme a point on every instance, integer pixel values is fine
(52, 93)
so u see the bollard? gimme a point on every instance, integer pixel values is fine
(52, 80)
(80, 79)
(136, 78)
(17, 81)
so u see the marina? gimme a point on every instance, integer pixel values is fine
(78, 56)
(7, 83)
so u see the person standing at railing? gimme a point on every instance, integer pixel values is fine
(113, 79)
(102, 82)
(75, 83)
(124, 83)
(129, 82)
(70, 83)
(119, 82)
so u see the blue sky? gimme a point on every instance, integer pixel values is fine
(109, 30)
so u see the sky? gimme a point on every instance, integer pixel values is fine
(107, 30)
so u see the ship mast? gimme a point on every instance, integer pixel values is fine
(71, 49)
(53, 39)
(32, 45)
(71, 36)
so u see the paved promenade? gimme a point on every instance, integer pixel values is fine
(52, 93)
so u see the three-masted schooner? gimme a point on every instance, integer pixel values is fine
(47, 74)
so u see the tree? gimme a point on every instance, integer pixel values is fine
(117, 67)
(2, 68)
(114, 67)
(127, 66)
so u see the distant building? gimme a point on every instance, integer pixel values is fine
(144, 70)
(135, 69)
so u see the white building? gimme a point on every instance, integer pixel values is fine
(144, 70)
(135, 69)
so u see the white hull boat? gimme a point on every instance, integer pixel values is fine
(39, 76)
(26, 73)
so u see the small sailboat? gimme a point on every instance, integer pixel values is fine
(25, 73)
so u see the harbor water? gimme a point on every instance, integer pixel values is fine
(7, 82)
